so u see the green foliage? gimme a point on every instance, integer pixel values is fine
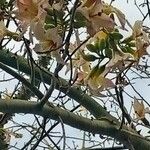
(91, 48)
(116, 36)
(96, 71)
(80, 20)
(89, 57)
(2, 3)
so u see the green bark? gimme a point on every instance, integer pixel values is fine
(22, 65)
(103, 126)
(107, 124)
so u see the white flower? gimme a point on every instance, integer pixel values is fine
(3, 30)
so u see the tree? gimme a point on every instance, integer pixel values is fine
(72, 65)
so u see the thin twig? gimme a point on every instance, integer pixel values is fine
(48, 93)
(63, 130)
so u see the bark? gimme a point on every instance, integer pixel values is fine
(104, 124)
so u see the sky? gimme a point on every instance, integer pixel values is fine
(132, 14)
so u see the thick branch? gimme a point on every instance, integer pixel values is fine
(90, 104)
(102, 126)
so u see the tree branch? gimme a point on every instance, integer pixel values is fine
(102, 126)
(90, 104)
(108, 126)
(22, 79)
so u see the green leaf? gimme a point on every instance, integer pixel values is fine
(2, 2)
(108, 52)
(124, 49)
(79, 17)
(112, 44)
(101, 69)
(49, 26)
(59, 14)
(91, 48)
(79, 24)
(131, 44)
(96, 71)
(49, 20)
(100, 44)
(116, 35)
(128, 39)
(128, 50)
(80, 20)
(89, 57)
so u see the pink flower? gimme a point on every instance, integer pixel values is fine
(31, 10)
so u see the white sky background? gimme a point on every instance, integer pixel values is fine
(132, 14)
